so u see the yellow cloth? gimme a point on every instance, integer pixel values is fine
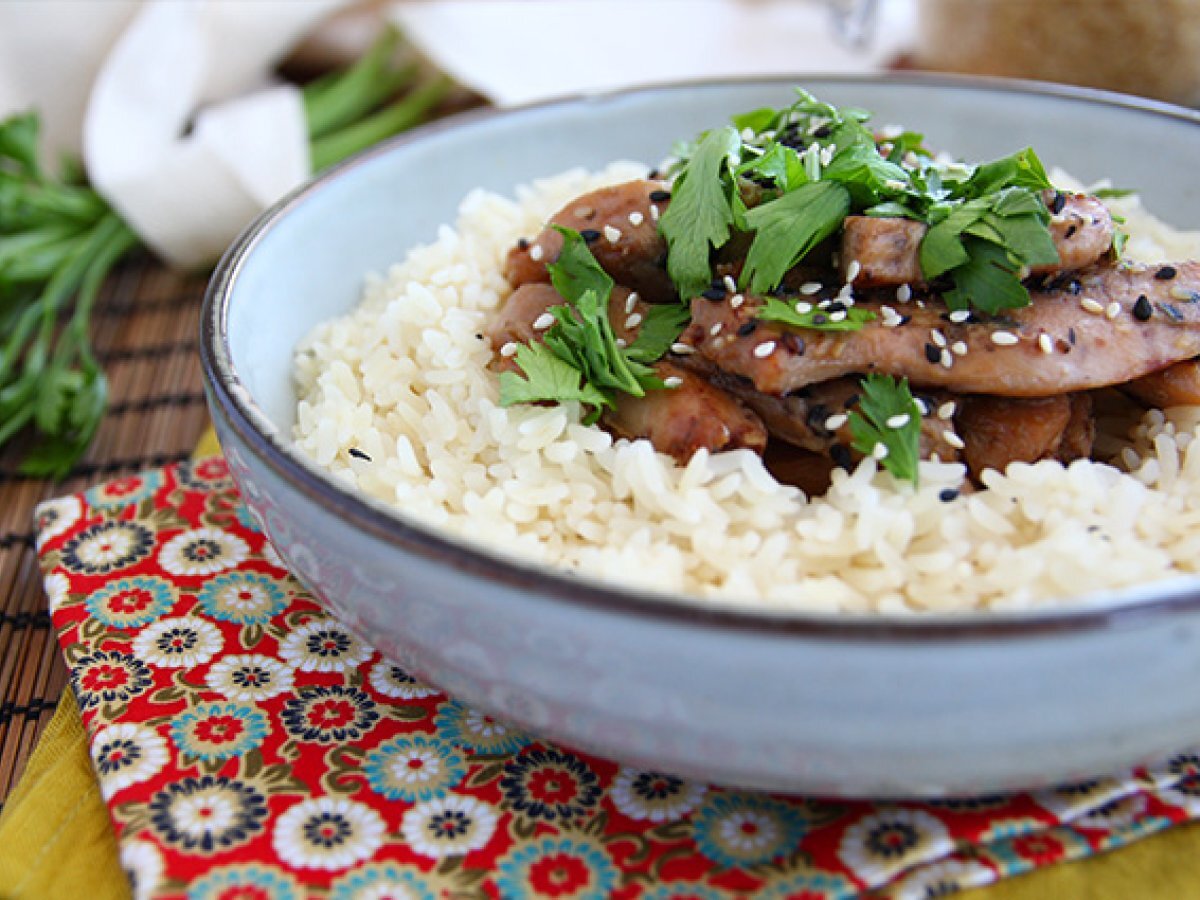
(56, 841)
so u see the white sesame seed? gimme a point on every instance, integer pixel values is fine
(953, 439)
(898, 421)
(880, 450)
(1023, 272)
(1179, 292)
(937, 337)
(803, 307)
(536, 252)
(612, 234)
(904, 293)
(825, 304)
(959, 348)
(509, 349)
(827, 154)
(1092, 306)
(846, 294)
(946, 410)
(895, 184)
(959, 316)
(631, 302)
(947, 360)
(1004, 338)
(765, 349)
(682, 349)
(839, 316)
(891, 321)
(810, 287)
(1046, 343)
(654, 211)
(672, 381)
(922, 406)
(853, 270)
(621, 343)
(730, 284)
(636, 218)
(1112, 310)
(910, 160)
(715, 330)
(634, 320)
(836, 421)
(544, 321)
(736, 300)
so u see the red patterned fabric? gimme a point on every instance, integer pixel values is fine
(248, 745)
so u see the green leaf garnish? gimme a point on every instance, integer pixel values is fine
(776, 310)
(661, 328)
(1113, 193)
(701, 213)
(787, 228)
(547, 378)
(884, 400)
(987, 281)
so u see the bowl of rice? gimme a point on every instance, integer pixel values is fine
(703, 619)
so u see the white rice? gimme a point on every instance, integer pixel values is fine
(404, 379)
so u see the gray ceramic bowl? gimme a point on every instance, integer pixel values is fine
(796, 702)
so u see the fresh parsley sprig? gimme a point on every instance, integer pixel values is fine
(887, 414)
(814, 318)
(579, 357)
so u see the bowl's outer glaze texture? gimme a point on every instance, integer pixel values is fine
(782, 702)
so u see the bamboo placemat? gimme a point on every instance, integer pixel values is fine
(145, 328)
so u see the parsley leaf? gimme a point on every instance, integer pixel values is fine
(788, 227)
(547, 377)
(701, 212)
(576, 271)
(987, 281)
(776, 310)
(885, 399)
(660, 329)
(1022, 169)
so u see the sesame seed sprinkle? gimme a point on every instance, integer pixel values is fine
(509, 349)
(1142, 310)
(803, 307)
(672, 381)
(1046, 343)
(959, 316)
(682, 349)
(1090, 305)
(631, 302)
(715, 330)
(612, 234)
(946, 410)
(853, 270)
(736, 300)
(765, 349)
(810, 287)
(839, 316)
(904, 293)
(1004, 338)
(634, 320)
(1179, 292)
(1112, 310)
(953, 439)
(947, 359)
(959, 348)
(836, 421)
(939, 339)
(636, 218)
(880, 450)
(898, 421)
(730, 284)
(654, 211)
(536, 252)
(622, 343)
(544, 321)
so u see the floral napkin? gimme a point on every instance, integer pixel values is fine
(247, 744)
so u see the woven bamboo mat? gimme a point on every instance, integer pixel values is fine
(145, 329)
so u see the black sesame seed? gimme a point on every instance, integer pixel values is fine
(590, 235)
(819, 319)
(713, 293)
(653, 175)
(836, 306)
(816, 418)
(933, 353)
(1071, 336)
(948, 494)
(1074, 286)
(823, 132)
(1142, 310)
(358, 454)
(1058, 202)
(522, 243)
(478, 336)
(1070, 233)
(747, 328)
(717, 282)
(850, 402)
(904, 320)
(1166, 273)
(794, 342)
(660, 196)
(840, 454)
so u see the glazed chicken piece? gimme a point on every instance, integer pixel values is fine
(1001, 430)
(677, 420)
(887, 249)
(1108, 325)
(1177, 385)
(620, 224)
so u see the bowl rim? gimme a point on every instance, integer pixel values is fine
(229, 400)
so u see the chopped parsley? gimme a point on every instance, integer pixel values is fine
(888, 415)
(776, 310)
(579, 358)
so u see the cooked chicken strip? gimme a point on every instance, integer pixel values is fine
(887, 249)
(1177, 385)
(680, 420)
(621, 227)
(1109, 325)
(1001, 430)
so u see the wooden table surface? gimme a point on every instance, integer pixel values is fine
(145, 329)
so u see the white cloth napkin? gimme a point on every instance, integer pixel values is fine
(170, 102)
(519, 51)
